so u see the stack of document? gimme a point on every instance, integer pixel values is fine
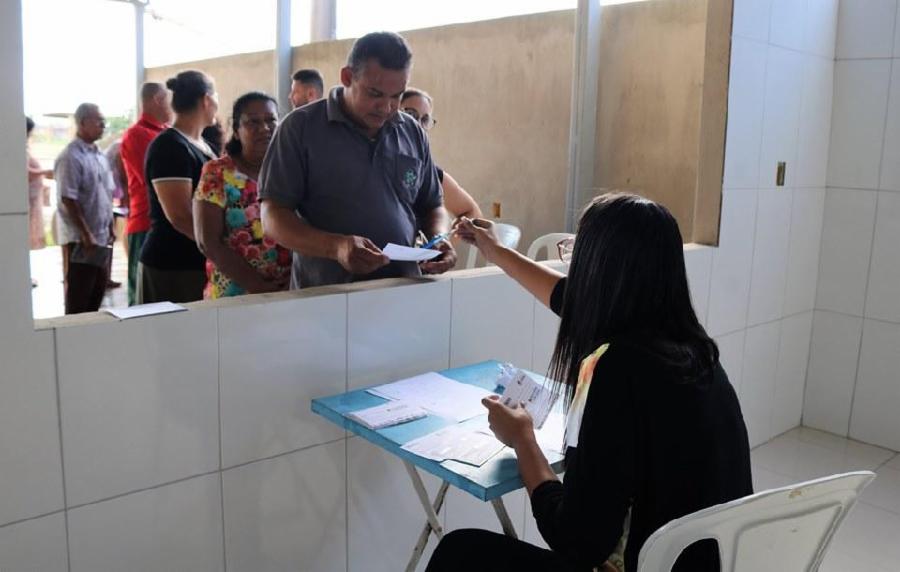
(436, 394)
(464, 444)
(519, 388)
(387, 414)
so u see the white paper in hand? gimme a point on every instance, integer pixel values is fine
(538, 400)
(407, 254)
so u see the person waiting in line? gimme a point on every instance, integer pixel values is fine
(36, 192)
(156, 114)
(172, 268)
(84, 185)
(357, 172)
(214, 135)
(457, 201)
(307, 85)
(240, 259)
(654, 429)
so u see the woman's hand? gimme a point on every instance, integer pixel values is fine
(511, 425)
(479, 233)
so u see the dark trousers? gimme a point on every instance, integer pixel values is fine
(476, 550)
(85, 286)
(135, 244)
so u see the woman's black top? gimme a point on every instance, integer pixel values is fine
(648, 441)
(171, 156)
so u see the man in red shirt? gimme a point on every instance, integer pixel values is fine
(156, 106)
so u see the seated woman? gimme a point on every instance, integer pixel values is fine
(654, 428)
(240, 260)
(457, 201)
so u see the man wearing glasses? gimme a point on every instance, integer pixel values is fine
(358, 173)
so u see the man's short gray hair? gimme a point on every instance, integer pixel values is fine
(150, 89)
(84, 111)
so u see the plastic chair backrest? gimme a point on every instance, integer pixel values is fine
(508, 235)
(780, 529)
(547, 241)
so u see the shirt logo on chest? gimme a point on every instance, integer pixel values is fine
(409, 179)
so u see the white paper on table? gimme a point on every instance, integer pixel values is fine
(407, 254)
(438, 394)
(538, 400)
(144, 310)
(465, 444)
(387, 414)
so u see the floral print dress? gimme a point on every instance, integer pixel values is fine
(223, 185)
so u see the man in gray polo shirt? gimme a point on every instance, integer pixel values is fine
(348, 174)
(84, 184)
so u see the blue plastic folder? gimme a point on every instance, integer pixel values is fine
(494, 479)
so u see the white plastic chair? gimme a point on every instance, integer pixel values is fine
(549, 242)
(508, 235)
(782, 529)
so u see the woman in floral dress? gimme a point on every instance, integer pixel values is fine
(240, 258)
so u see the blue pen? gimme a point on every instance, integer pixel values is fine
(435, 240)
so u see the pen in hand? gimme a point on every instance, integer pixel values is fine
(435, 240)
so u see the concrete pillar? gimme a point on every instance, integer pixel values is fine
(138, 54)
(583, 126)
(323, 20)
(283, 70)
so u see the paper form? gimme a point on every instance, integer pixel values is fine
(465, 444)
(387, 414)
(407, 254)
(144, 310)
(521, 388)
(437, 394)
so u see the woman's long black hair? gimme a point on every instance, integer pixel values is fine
(627, 281)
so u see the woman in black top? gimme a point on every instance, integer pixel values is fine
(172, 268)
(654, 431)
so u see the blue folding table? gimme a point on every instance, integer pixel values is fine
(489, 482)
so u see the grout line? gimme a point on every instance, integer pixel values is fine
(219, 408)
(142, 490)
(30, 518)
(62, 456)
(284, 454)
(15, 214)
(849, 315)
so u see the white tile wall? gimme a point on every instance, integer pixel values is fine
(875, 417)
(883, 297)
(398, 332)
(140, 413)
(493, 318)
(834, 351)
(758, 380)
(811, 169)
(820, 30)
(32, 481)
(890, 158)
(745, 118)
(787, 24)
(770, 256)
(175, 527)
(790, 375)
(385, 517)
(866, 28)
(288, 513)
(807, 213)
(15, 287)
(857, 122)
(12, 149)
(299, 353)
(751, 19)
(730, 282)
(846, 247)
(781, 116)
(37, 545)
(698, 265)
